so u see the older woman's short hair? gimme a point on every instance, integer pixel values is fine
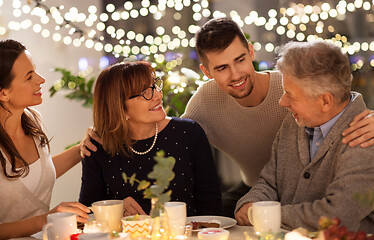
(114, 86)
(318, 67)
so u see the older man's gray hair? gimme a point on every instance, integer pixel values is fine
(318, 67)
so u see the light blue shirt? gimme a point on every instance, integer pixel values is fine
(318, 134)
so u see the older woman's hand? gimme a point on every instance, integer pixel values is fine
(361, 130)
(131, 207)
(242, 215)
(87, 144)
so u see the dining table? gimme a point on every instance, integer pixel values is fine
(236, 233)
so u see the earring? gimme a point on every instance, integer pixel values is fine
(127, 118)
(7, 98)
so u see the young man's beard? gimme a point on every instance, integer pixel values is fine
(246, 93)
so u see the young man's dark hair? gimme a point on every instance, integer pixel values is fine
(217, 35)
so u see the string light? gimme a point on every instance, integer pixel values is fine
(294, 22)
(69, 20)
(300, 15)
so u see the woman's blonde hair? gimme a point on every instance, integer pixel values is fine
(114, 86)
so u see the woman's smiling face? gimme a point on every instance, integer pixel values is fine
(25, 88)
(142, 111)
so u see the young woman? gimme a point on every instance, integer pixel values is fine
(131, 121)
(27, 171)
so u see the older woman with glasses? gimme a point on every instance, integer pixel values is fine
(131, 121)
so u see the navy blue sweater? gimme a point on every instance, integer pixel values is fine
(195, 183)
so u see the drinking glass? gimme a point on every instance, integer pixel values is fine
(177, 215)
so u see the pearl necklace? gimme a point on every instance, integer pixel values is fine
(153, 144)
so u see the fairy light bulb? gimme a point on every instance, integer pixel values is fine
(134, 13)
(280, 30)
(110, 8)
(116, 16)
(125, 15)
(143, 12)
(77, 42)
(184, 43)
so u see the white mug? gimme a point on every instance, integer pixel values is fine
(60, 226)
(110, 211)
(265, 216)
(177, 215)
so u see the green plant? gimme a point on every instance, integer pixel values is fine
(80, 88)
(162, 173)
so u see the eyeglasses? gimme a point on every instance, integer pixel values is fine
(147, 94)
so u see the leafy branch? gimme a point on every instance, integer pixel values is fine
(81, 89)
(162, 173)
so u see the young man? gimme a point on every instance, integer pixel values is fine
(239, 109)
(311, 172)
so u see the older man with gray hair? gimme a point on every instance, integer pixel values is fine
(311, 173)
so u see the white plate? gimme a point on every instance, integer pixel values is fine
(226, 222)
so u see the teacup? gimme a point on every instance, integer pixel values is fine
(265, 216)
(110, 211)
(60, 226)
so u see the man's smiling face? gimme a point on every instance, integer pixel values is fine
(232, 69)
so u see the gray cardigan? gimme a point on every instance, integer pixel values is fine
(324, 186)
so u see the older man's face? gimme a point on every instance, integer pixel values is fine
(306, 110)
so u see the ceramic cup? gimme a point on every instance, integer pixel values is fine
(177, 215)
(265, 216)
(60, 226)
(110, 211)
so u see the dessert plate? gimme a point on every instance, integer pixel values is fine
(226, 222)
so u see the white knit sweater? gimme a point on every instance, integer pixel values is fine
(244, 134)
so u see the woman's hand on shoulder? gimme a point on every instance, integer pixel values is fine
(131, 207)
(86, 143)
(73, 207)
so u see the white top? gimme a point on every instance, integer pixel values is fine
(32, 179)
(244, 134)
(17, 200)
